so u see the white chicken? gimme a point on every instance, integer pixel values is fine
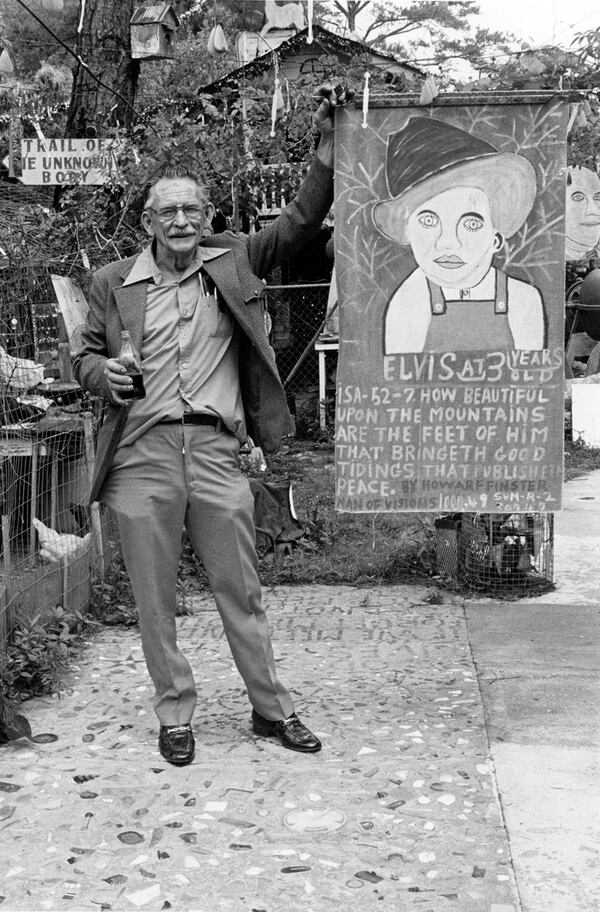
(55, 545)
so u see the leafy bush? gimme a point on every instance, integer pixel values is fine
(38, 653)
(580, 459)
(343, 548)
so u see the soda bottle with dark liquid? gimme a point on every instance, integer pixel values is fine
(131, 361)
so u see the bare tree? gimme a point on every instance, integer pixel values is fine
(350, 10)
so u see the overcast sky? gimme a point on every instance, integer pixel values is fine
(541, 21)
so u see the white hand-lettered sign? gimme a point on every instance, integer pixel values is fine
(67, 161)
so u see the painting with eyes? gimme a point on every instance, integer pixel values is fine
(454, 200)
(450, 267)
(582, 214)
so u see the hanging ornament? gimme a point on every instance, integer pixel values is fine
(7, 67)
(53, 6)
(210, 47)
(277, 104)
(309, 13)
(217, 42)
(365, 101)
(81, 15)
(429, 91)
(39, 133)
(280, 103)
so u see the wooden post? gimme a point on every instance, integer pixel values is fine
(97, 544)
(65, 371)
(73, 307)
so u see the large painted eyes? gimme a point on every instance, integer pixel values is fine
(428, 220)
(472, 223)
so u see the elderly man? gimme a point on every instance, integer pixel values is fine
(192, 306)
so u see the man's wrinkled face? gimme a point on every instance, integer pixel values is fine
(176, 215)
(453, 238)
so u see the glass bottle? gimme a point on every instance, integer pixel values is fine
(131, 361)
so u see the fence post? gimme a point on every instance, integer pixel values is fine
(97, 544)
(5, 602)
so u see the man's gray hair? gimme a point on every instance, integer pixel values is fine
(175, 172)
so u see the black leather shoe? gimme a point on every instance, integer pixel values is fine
(176, 744)
(291, 732)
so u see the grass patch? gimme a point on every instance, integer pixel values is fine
(343, 548)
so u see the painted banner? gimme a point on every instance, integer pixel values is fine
(450, 268)
(67, 161)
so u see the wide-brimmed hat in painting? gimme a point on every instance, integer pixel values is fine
(428, 156)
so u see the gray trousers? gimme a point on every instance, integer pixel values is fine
(177, 476)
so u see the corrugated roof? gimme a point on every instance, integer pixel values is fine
(155, 12)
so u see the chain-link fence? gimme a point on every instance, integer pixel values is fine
(51, 541)
(297, 314)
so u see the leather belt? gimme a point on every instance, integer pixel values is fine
(196, 418)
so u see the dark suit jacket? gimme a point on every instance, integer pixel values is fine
(237, 275)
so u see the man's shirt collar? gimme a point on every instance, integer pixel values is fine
(145, 268)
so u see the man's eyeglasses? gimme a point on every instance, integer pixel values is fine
(169, 213)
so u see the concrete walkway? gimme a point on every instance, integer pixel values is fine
(458, 770)
(538, 670)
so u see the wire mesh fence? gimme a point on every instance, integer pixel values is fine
(52, 542)
(297, 315)
(497, 553)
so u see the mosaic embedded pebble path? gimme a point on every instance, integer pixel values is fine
(399, 811)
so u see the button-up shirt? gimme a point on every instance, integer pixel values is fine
(189, 349)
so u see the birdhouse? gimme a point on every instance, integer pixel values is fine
(153, 28)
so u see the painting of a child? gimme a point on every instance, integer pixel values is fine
(455, 199)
